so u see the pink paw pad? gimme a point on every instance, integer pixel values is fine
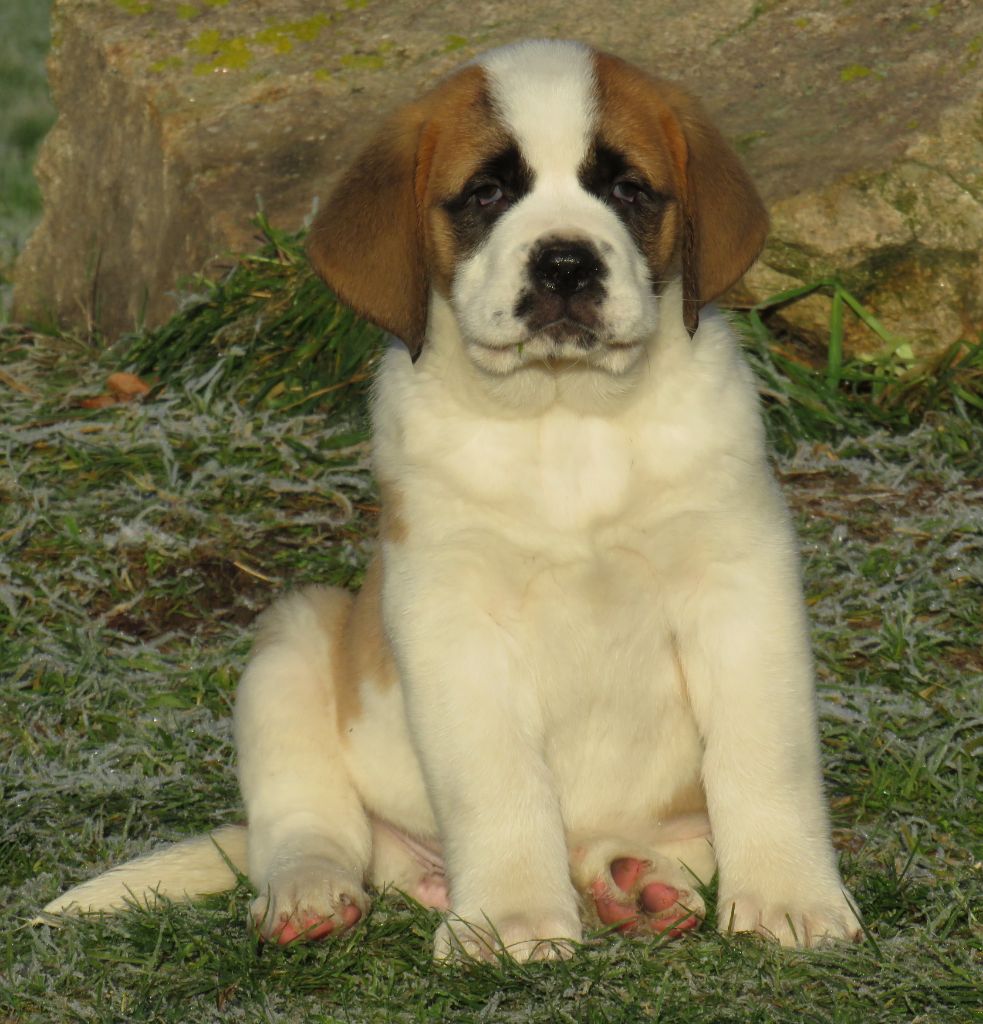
(313, 928)
(649, 911)
(656, 897)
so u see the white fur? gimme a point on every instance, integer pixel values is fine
(197, 867)
(544, 91)
(558, 564)
(595, 606)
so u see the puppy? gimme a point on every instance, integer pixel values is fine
(577, 679)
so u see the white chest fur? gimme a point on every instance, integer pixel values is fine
(562, 461)
(548, 533)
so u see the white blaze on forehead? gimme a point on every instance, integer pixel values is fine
(545, 91)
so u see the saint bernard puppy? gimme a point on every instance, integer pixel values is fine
(577, 679)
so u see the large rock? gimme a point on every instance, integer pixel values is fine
(905, 236)
(860, 122)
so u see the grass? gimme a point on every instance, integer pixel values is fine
(138, 541)
(267, 333)
(891, 390)
(26, 114)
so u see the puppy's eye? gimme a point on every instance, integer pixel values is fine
(489, 195)
(626, 191)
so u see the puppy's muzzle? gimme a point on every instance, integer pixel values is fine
(566, 291)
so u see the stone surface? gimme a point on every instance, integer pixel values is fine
(907, 239)
(860, 121)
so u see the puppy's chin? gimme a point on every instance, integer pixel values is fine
(559, 347)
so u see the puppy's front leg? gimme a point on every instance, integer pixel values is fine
(475, 718)
(744, 650)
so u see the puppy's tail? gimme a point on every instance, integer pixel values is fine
(195, 867)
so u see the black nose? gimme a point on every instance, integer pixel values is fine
(565, 269)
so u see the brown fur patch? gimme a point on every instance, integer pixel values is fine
(365, 655)
(392, 525)
(377, 242)
(722, 219)
(462, 146)
(632, 116)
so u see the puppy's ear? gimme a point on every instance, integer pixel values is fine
(367, 240)
(724, 220)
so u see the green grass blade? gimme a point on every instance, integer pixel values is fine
(834, 364)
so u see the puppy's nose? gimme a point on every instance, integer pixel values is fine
(565, 269)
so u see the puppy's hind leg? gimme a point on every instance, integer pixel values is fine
(309, 839)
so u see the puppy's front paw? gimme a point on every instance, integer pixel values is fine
(522, 936)
(308, 900)
(801, 922)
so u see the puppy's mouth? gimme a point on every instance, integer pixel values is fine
(556, 335)
(568, 331)
(561, 340)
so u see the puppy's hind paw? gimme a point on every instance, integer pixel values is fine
(637, 896)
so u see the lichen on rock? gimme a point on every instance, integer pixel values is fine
(861, 125)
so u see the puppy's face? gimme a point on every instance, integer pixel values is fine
(549, 193)
(561, 241)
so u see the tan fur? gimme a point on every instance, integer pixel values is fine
(724, 221)
(410, 249)
(633, 119)
(364, 656)
(466, 136)
(393, 528)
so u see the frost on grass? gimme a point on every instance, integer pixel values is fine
(892, 536)
(137, 544)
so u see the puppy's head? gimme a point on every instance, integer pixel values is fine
(548, 192)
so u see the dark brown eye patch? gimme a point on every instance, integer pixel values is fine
(506, 171)
(498, 184)
(609, 175)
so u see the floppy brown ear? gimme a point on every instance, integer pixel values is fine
(725, 221)
(367, 240)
